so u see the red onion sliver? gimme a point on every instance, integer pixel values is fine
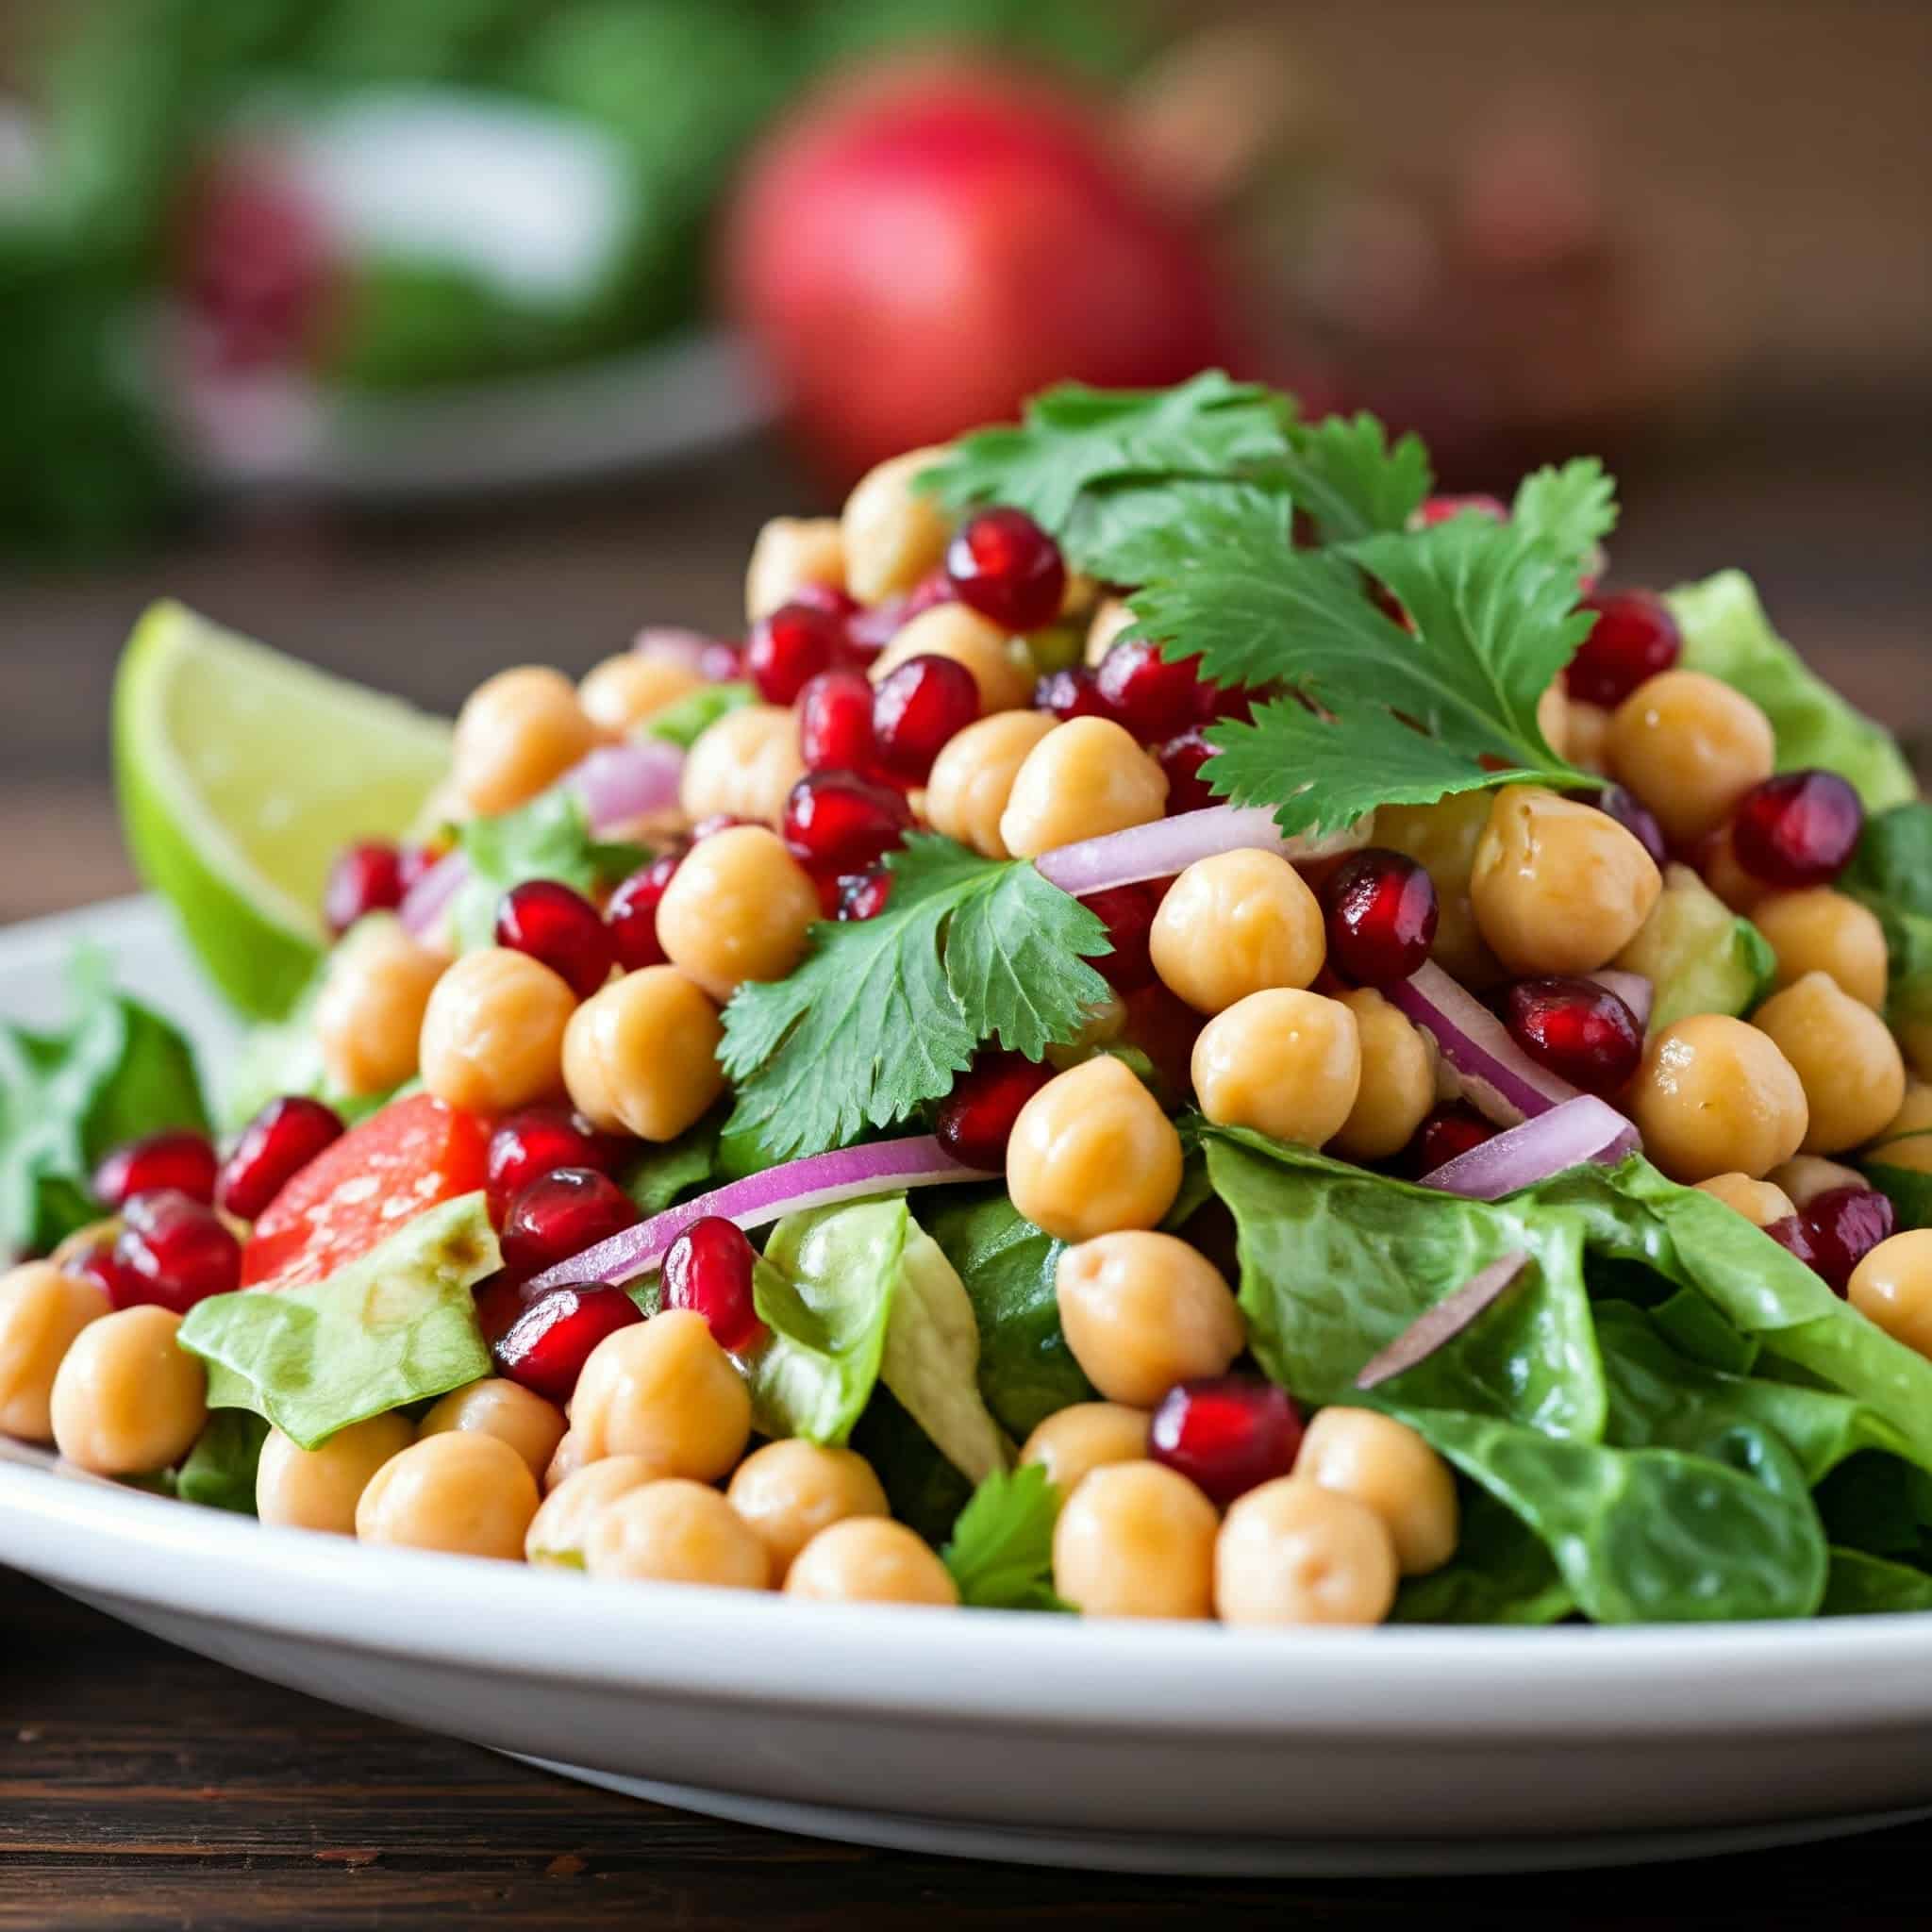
(847, 1174)
(1435, 1327)
(1159, 850)
(432, 896)
(673, 645)
(1633, 989)
(1494, 1073)
(1583, 1129)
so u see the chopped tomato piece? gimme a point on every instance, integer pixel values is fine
(413, 1155)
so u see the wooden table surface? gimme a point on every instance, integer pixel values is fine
(141, 1786)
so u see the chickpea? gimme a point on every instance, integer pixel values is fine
(623, 692)
(565, 1460)
(1387, 1467)
(504, 1409)
(641, 1056)
(1091, 1152)
(1084, 779)
(1295, 1551)
(463, 1491)
(894, 534)
(1398, 1082)
(1069, 1445)
(518, 732)
(1716, 1096)
(665, 1390)
(369, 1015)
(998, 661)
(1690, 746)
(736, 908)
(126, 1400)
(1287, 1063)
(743, 766)
(1892, 1287)
(1759, 1202)
(563, 1523)
(1237, 924)
(319, 1488)
(793, 554)
(1805, 1176)
(42, 1312)
(1823, 931)
(1103, 632)
(1136, 1539)
(790, 1491)
(1852, 1070)
(1716, 857)
(1558, 886)
(1143, 1311)
(1590, 735)
(492, 1036)
(1914, 1154)
(1914, 1115)
(676, 1531)
(870, 1560)
(1444, 837)
(973, 778)
(1553, 719)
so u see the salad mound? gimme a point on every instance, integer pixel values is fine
(1187, 1028)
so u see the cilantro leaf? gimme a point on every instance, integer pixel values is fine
(1001, 1552)
(685, 720)
(1342, 471)
(548, 839)
(1572, 510)
(884, 1012)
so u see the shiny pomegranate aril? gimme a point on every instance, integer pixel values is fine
(1635, 637)
(1227, 1434)
(833, 599)
(1150, 696)
(1005, 566)
(560, 1214)
(1181, 758)
(1845, 1224)
(1449, 1132)
(975, 1120)
(788, 649)
(864, 894)
(835, 713)
(1581, 1031)
(1380, 911)
(632, 913)
(560, 928)
(96, 1262)
(274, 1147)
(1440, 510)
(837, 821)
(537, 1141)
(176, 1157)
(874, 627)
(1073, 692)
(1797, 829)
(368, 877)
(1614, 801)
(1793, 1235)
(709, 1269)
(917, 706)
(546, 1346)
(499, 1299)
(174, 1250)
(1127, 913)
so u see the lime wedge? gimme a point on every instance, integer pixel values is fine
(242, 773)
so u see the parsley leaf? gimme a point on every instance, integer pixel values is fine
(548, 839)
(884, 1012)
(1001, 1552)
(1342, 471)
(685, 720)
(1572, 510)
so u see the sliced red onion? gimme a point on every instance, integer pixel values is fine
(1583, 1129)
(1633, 989)
(1435, 1327)
(672, 644)
(1494, 1073)
(426, 902)
(1159, 850)
(848, 1173)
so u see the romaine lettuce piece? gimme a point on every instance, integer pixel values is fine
(932, 1361)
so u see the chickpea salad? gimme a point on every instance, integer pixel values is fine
(1186, 1027)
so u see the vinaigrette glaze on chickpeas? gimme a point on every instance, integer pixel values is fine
(1053, 1011)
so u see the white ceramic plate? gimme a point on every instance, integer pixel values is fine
(1137, 1747)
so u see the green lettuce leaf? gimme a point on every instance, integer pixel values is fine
(548, 839)
(931, 1361)
(1502, 1573)
(685, 720)
(219, 1472)
(1698, 954)
(661, 1174)
(1909, 1191)
(1866, 1586)
(1891, 873)
(926, 1490)
(1001, 1551)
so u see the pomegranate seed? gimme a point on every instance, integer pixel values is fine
(1793, 1235)
(709, 1269)
(1845, 1224)
(546, 1346)
(560, 1214)
(368, 877)
(274, 1147)
(1005, 566)
(1440, 510)
(975, 1120)
(1181, 758)
(1799, 828)
(839, 822)
(499, 1299)
(833, 599)
(1127, 913)
(96, 1262)
(1634, 638)
(1580, 1030)
(1449, 1132)
(790, 648)
(559, 927)
(1380, 909)
(835, 723)
(1636, 819)
(1227, 1434)
(1073, 693)
(176, 1159)
(632, 913)
(864, 894)
(1147, 694)
(536, 1141)
(174, 1250)
(919, 705)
